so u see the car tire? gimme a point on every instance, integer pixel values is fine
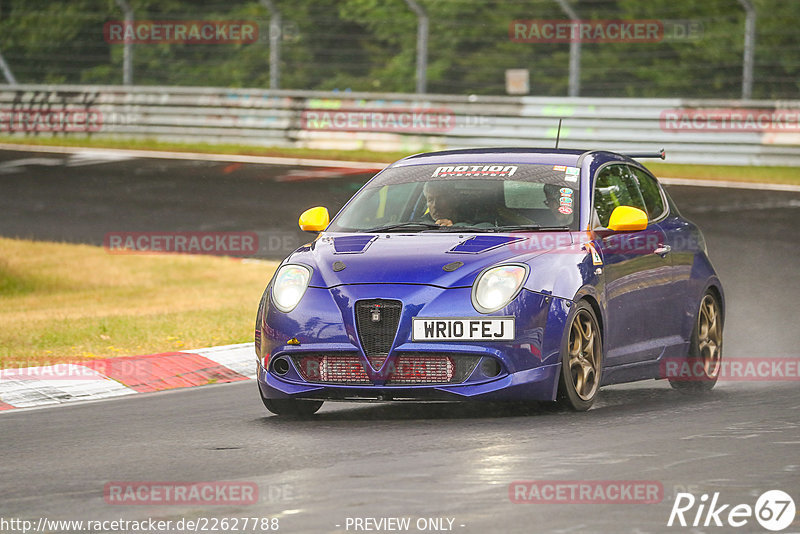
(290, 407)
(581, 359)
(705, 349)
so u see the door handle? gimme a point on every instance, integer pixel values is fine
(662, 250)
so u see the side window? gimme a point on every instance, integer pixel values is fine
(615, 186)
(651, 192)
(393, 205)
(379, 205)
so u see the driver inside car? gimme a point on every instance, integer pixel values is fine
(479, 207)
(444, 206)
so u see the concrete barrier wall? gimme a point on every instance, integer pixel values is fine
(692, 131)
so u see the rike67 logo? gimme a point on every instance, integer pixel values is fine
(774, 510)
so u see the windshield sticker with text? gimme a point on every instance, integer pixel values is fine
(475, 170)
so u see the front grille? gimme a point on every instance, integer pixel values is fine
(337, 368)
(422, 368)
(405, 369)
(377, 321)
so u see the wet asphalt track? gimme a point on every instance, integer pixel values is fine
(398, 460)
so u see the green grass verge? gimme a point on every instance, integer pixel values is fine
(65, 302)
(779, 175)
(773, 175)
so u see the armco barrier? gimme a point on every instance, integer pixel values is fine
(692, 131)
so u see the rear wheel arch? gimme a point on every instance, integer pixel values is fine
(704, 357)
(715, 290)
(713, 287)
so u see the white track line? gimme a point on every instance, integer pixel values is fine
(32, 387)
(366, 165)
(56, 384)
(240, 357)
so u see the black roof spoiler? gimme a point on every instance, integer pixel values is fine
(655, 155)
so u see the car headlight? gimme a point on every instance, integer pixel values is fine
(496, 287)
(291, 282)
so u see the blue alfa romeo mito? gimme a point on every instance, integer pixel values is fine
(502, 274)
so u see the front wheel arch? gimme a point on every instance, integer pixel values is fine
(582, 358)
(598, 312)
(298, 408)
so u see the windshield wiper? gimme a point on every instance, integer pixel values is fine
(524, 228)
(402, 225)
(454, 228)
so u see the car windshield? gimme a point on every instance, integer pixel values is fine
(485, 198)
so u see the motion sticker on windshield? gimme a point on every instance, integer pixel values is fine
(573, 170)
(565, 191)
(475, 170)
(595, 256)
(566, 210)
(559, 167)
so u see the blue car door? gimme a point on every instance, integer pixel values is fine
(678, 244)
(636, 273)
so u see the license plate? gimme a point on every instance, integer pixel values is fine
(463, 329)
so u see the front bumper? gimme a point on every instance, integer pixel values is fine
(540, 383)
(324, 322)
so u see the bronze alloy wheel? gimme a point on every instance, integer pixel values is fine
(584, 357)
(582, 360)
(709, 336)
(705, 349)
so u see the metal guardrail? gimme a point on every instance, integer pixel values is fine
(692, 131)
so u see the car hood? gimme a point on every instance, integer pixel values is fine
(440, 259)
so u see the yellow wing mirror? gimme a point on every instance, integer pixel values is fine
(627, 219)
(314, 219)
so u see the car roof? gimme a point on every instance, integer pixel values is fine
(541, 156)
